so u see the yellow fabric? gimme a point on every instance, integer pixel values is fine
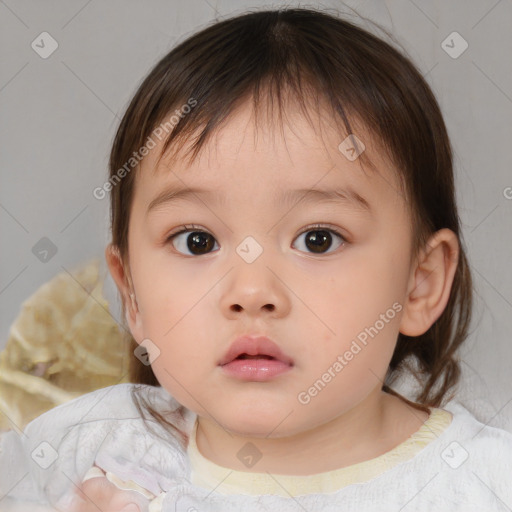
(209, 475)
(63, 344)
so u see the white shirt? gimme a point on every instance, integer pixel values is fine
(453, 462)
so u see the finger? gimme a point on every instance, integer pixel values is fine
(95, 495)
(127, 498)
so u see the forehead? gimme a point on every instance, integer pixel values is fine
(293, 153)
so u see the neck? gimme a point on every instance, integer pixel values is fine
(376, 425)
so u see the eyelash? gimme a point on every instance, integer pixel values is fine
(193, 228)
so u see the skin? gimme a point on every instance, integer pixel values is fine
(192, 307)
(100, 494)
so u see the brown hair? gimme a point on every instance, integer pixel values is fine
(312, 54)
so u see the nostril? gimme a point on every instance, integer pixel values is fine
(238, 308)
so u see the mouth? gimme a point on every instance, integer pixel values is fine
(255, 358)
(254, 347)
(247, 356)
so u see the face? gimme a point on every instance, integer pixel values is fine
(324, 278)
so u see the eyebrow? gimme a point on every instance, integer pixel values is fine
(334, 196)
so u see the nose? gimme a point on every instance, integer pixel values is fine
(255, 289)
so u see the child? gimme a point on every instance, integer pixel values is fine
(286, 242)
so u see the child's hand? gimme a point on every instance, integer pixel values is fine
(100, 494)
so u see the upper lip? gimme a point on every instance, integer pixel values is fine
(253, 346)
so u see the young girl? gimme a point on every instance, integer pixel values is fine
(286, 243)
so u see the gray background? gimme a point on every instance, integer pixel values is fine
(58, 116)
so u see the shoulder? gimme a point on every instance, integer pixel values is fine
(62, 444)
(476, 457)
(112, 402)
(114, 417)
(477, 435)
(101, 410)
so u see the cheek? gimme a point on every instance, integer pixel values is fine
(182, 372)
(359, 306)
(177, 380)
(374, 280)
(170, 300)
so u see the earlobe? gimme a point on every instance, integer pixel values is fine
(430, 284)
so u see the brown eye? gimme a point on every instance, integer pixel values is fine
(319, 240)
(196, 242)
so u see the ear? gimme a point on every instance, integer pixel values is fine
(430, 283)
(124, 284)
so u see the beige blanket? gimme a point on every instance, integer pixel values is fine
(64, 343)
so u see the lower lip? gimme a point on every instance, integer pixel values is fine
(255, 369)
